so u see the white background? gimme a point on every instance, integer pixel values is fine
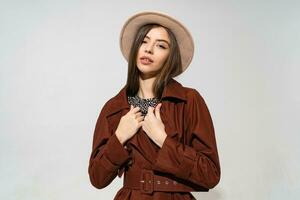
(60, 62)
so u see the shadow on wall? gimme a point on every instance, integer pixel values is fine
(210, 195)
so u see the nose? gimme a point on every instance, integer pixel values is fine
(148, 49)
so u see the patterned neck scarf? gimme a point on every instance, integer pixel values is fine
(143, 103)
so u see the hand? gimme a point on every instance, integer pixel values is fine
(153, 125)
(129, 124)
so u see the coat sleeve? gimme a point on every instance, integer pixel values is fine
(108, 154)
(198, 161)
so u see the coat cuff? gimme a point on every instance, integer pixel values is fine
(115, 151)
(175, 158)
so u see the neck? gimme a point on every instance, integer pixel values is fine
(145, 90)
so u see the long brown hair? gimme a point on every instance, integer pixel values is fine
(172, 67)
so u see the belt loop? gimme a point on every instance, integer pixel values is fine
(147, 181)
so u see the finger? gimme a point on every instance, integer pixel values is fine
(141, 123)
(150, 110)
(141, 118)
(157, 111)
(136, 109)
(138, 114)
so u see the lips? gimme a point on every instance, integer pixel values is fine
(146, 59)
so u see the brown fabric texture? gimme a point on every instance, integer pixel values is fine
(187, 161)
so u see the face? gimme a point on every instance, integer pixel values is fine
(153, 52)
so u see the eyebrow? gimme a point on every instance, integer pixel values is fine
(160, 40)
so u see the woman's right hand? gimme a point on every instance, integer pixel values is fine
(129, 124)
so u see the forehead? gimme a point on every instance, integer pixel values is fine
(158, 33)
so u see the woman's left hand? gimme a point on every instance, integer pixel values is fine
(154, 126)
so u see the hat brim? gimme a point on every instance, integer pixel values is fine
(183, 36)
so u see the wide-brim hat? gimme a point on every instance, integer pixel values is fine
(183, 36)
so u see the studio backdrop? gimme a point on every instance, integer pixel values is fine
(60, 62)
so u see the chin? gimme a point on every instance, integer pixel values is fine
(148, 74)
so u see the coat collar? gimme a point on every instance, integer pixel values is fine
(172, 89)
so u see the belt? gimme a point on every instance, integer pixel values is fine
(146, 181)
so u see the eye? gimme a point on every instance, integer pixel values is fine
(162, 46)
(144, 41)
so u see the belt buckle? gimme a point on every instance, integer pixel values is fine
(146, 181)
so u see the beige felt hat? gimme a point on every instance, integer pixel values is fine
(183, 36)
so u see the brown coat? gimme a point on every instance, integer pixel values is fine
(189, 154)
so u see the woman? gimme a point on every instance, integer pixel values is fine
(157, 132)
